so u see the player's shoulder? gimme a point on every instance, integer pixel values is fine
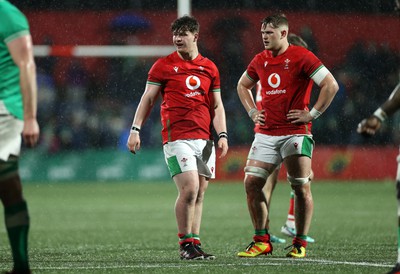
(207, 61)
(14, 22)
(163, 61)
(299, 50)
(8, 10)
(300, 53)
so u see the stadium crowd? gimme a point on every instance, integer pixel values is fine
(83, 112)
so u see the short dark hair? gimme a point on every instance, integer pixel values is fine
(185, 23)
(276, 20)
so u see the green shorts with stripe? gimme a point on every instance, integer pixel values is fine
(273, 149)
(186, 155)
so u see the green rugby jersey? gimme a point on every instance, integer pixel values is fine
(13, 24)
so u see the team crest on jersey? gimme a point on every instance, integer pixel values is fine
(193, 82)
(176, 69)
(287, 61)
(265, 64)
(184, 160)
(274, 80)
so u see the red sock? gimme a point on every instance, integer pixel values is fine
(291, 206)
(299, 241)
(185, 238)
(264, 238)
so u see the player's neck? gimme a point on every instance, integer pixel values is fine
(280, 50)
(189, 55)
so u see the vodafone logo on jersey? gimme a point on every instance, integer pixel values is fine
(274, 80)
(193, 82)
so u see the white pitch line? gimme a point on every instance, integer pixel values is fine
(251, 263)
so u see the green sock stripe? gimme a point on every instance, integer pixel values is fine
(186, 236)
(196, 236)
(260, 232)
(291, 194)
(10, 210)
(303, 237)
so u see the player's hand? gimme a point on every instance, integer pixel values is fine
(133, 143)
(259, 117)
(369, 126)
(223, 145)
(299, 116)
(30, 133)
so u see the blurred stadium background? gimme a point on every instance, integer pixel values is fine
(93, 58)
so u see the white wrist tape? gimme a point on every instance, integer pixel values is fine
(135, 129)
(251, 112)
(380, 114)
(315, 113)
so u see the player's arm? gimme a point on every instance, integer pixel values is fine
(219, 123)
(373, 123)
(328, 89)
(244, 87)
(21, 50)
(143, 110)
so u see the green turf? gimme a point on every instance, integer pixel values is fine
(130, 228)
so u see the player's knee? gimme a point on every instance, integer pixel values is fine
(8, 169)
(299, 181)
(256, 171)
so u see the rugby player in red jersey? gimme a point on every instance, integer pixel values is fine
(191, 106)
(286, 73)
(288, 228)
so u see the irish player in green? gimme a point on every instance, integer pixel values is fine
(18, 103)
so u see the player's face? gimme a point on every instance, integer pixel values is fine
(184, 41)
(271, 37)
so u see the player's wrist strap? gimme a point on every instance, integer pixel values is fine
(380, 114)
(223, 134)
(251, 112)
(135, 129)
(315, 113)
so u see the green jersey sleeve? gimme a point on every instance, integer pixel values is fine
(13, 22)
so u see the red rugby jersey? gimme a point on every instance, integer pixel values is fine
(285, 84)
(186, 88)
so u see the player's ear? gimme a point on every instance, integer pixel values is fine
(196, 36)
(284, 33)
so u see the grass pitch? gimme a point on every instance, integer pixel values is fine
(130, 228)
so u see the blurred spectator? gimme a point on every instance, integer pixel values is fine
(87, 112)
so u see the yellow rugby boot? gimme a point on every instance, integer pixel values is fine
(297, 251)
(255, 249)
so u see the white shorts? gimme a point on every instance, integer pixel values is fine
(10, 136)
(185, 155)
(273, 149)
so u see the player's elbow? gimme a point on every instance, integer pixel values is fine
(332, 87)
